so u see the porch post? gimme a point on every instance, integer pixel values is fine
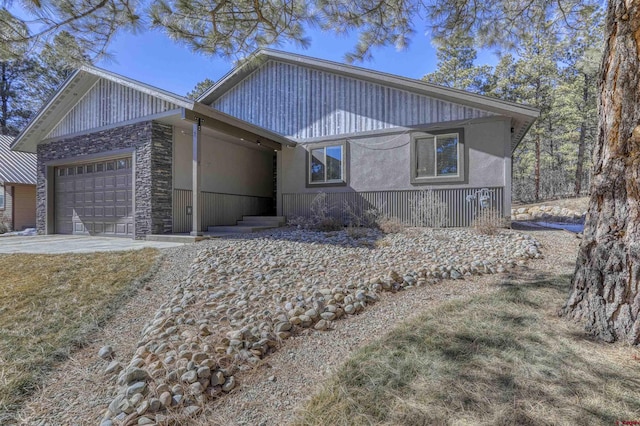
(279, 178)
(196, 227)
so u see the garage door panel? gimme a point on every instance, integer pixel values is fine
(121, 180)
(121, 211)
(94, 198)
(109, 182)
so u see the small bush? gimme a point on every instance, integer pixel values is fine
(390, 225)
(328, 224)
(320, 218)
(488, 222)
(5, 224)
(427, 209)
(356, 233)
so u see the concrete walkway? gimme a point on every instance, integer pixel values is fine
(51, 244)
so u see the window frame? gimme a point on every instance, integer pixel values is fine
(461, 157)
(3, 197)
(344, 164)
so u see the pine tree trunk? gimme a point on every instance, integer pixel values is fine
(605, 294)
(537, 169)
(581, 142)
(580, 163)
(4, 100)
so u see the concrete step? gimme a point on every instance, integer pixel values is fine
(280, 220)
(239, 229)
(173, 238)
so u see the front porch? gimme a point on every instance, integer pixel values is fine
(223, 170)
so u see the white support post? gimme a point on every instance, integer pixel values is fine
(196, 227)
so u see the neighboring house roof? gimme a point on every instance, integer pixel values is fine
(16, 167)
(523, 115)
(82, 80)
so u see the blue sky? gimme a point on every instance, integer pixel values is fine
(153, 58)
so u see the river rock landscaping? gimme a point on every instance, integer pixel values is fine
(244, 297)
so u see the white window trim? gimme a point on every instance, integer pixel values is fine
(3, 192)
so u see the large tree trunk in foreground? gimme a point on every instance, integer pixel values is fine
(582, 140)
(605, 292)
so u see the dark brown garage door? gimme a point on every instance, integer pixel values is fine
(94, 198)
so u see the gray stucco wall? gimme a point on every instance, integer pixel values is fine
(152, 144)
(382, 162)
(226, 167)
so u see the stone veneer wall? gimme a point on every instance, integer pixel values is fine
(153, 179)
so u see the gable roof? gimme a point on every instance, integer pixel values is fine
(523, 115)
(80, 83)
(16, 167)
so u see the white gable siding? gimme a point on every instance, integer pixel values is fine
(107, 103)
(303, 102)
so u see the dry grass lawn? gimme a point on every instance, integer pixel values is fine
(502, 359)
(579, 204)
(49, 305)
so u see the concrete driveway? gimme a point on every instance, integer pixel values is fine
(50, 244)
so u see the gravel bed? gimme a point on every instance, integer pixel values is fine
(242, 289)
(244, 297)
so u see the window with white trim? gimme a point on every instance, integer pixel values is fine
(1, 197)
(437, 157)
(327, 165)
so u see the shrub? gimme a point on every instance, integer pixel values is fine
(427, 209)
(5, 224)
(328, 224)
(356, 233)
(488, 221)
(390, 225)
(320, 218)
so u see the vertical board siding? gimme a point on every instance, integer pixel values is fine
(107, 103)
(302, 102)
(217, 209)
(459, 211)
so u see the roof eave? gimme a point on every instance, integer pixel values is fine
(27, 140)
(206, 110)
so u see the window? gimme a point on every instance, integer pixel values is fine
(61, 171)
(111, 165)
(89, 168)
(2, 197)
(327, 165)
(100, 167)
(437, 157)
(79, 170)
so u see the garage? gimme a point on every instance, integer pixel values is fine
(94, 198)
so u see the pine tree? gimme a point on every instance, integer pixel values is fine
(456, 66)
(200, 88)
